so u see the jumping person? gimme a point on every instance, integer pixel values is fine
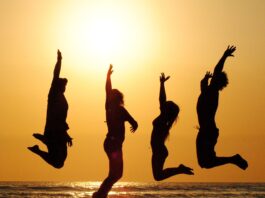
(161, 125)
(55, 135)
(206, 109)
(116, 116)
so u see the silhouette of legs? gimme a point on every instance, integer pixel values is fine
(240, 162)
(40, 137)
(160, 174)
(212, 162)
(115, 173)
(56, 155)
(113, 149)
(206, 155)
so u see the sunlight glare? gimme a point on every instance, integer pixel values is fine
(101, 33)
(106, 35)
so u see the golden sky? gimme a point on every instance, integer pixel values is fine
(141, 39)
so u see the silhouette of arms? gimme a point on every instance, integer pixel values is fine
(131, 120)
(57, 68)
(56, 74)
(108, 85)
(204, 81)
(220, 65)
(69, 140)
(162, 94)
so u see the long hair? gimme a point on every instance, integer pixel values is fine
(221, 80)
(172, 111)
(117, 97)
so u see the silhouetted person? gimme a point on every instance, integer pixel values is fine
(116, 116)
(161, 125)
(206, 109)
(55, 135)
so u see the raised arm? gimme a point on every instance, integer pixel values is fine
(204, 81)
(57, 68)
(220, 65)
(108, 85)
(162, 94)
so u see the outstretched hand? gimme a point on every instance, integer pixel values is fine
(59, 55)
(208, 75)
(133, 127)
(110, 70)
(69, 142)
(229, 51)
(163, 78)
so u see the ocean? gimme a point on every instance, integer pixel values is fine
(132, 190)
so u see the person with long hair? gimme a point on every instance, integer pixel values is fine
(116, 116)
(55, 135)
(206, 109)
(161, 126)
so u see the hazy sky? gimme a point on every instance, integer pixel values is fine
(141, 39)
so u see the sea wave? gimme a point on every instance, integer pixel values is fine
(132, 190)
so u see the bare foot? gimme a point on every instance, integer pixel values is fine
(185, 170)
(34, 149)
(240, 162)
(40, 137)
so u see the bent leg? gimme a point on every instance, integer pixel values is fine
(160, 174)
(55, 156)
(44, 155)
(207, 157)
(115, 173)
(219, 161)
(40, 137)
(213, 161)
(35, 149)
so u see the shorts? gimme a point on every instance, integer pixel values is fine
(205, 143)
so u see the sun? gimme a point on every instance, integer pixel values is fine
(106, 33)
(102, 32)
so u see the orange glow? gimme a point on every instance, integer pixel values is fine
(141, 38)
